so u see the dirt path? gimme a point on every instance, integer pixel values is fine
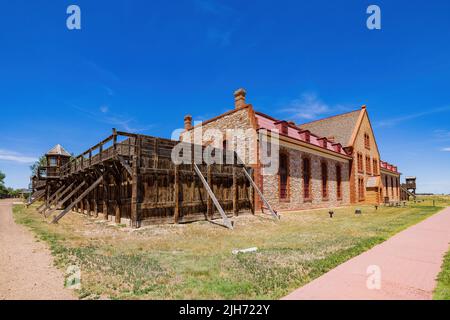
(26, 266)
(404, 267)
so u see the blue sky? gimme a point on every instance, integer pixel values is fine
(142, 65)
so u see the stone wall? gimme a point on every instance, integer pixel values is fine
(246, 147)
(238, 121)
(295, 199)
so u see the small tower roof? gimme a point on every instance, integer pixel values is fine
(58, 150)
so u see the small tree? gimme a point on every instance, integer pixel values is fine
(3, 189)
(42, 162)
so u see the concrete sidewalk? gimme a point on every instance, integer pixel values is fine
(403, 267)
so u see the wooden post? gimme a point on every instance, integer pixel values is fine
(209, 201)
(105, 198)
(82, 206)
(117, 216)
(176, 195)
(115, 140)
(96, 202)
(235, 192)
(136, 187)
(252, 192)
(118, 202)
(88, 206)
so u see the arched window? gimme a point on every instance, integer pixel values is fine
(324, 170)
(367, 141)
(392, 186)
(284, 172)
(360, 163)
(386, 186)
(225, 145)
(339, 182)
(306, 178)
(361, 188)
(375, 167)
(368, 165)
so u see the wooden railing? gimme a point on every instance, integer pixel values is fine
(99, 153)
(48, 172)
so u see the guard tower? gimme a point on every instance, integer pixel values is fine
(56, 158)
(410, 184)
(48, 176)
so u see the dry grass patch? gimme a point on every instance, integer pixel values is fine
(194, 261)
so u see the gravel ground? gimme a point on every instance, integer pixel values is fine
(26, 266)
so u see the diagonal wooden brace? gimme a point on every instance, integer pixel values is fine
(226, 221)
(81, 197)
(66, 198)
(273, 212)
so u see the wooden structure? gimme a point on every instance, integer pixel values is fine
(131, 179)
(408, 189)
(410, 184)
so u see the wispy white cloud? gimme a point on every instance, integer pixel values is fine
(212, 7)
(394, 121)
(8, 155)
(309, 107)
(122, 122)
(108, 90)
(442, 135)
(220, 37)
(104, 109)
(446, 149)
(103, 73)
(225, 22)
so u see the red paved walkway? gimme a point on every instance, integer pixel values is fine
(408, 264)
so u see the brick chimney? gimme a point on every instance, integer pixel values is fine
(239, 98)
(188, 122)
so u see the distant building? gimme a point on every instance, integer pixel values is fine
(408, 188)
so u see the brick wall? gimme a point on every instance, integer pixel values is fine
(295, 199)
(245, 145)
(372, 152)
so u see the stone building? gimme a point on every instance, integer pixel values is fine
(325, 163)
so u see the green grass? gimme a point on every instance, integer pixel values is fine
(442, 291)
(194, 261)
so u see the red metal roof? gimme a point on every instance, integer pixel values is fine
(269, 123)
(388, 166)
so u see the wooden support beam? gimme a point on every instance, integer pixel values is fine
(209, 201)
(105, 198)
(117, 212)
(234, 192)
(58, 197)
(37, 196)
(176, 196)
(88, 206)
(125, 165)
(226, 221)
(255, 187)
(50, 200)
(81, 197)
(96, 202)
(136, 184)
(65, 199)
